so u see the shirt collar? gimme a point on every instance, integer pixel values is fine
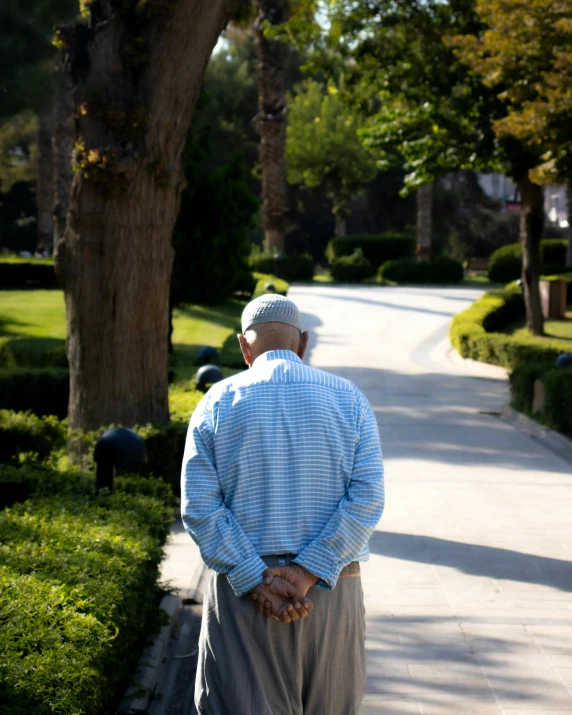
(276, 355)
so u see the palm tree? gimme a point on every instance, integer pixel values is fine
(272, 120)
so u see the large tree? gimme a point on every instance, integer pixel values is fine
(526, 55)
(432, 109)
(272, 118)
(137, 68)
(323, 147)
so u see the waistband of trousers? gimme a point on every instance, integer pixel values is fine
(352, 570)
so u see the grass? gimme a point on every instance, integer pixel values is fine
(38, 317)
(560, 329)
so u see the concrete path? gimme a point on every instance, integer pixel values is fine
(468, 590)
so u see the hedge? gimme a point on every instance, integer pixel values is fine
(474, 332)
(289, 267)
(408, 270)
(24, 433)
(17, 273)
(505, 264)
(77, 590)
(351, 269)
(22, 351)
(557, 412)
(43, 391)
(377, 248)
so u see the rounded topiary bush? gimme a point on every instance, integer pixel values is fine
(505, 264)
(351, 269)
(447, 270)
(406, 270)
(554, 251)
(290, 267)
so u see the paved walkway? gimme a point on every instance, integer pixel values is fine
(468, 590)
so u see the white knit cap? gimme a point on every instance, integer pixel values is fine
(268, 308)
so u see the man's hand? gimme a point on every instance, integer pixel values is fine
(280, 600)
(297, 576)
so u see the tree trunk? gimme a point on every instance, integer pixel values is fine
(62, 145)
(424, 221)
(341, 227)
(272, 120)
(531, 224)
(137, 72)
(569, 249)
(45, 184)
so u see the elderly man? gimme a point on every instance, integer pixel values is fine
(282, 486)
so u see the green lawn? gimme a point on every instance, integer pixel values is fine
(553, 328)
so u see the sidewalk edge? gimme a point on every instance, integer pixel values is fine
(139, 693)
(554, 441)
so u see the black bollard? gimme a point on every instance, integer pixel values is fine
(116, 447)
(208, 375)
(207, 355)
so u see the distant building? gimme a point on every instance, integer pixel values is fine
(502, 189)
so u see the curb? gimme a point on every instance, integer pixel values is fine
(139, 693)
(554, 441)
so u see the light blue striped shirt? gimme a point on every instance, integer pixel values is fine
(282, 459)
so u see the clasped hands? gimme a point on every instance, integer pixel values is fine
(282, 594)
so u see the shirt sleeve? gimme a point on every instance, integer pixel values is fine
(222, 542)
(352, 524)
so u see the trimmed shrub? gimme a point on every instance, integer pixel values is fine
(408, 270)
(351, 269)
(447, 270)
(505, 264)
(32, 352)
(16, 273)
(554, 251)
(558, 399)
(23, 433)
(261, 280)
(522, 380)
(77, 590)
(471, 334)
(42, 391)
(377, 248)
(295, 267)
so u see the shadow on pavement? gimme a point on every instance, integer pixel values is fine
(474, 559)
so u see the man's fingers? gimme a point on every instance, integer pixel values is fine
(308, 605)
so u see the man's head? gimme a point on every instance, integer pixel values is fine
(271, 322)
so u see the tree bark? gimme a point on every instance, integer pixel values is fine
(341, 227)
(424, 221)
(272, 78)
(62, 145)
(569, 248)
(531, 225)
(45, 183)
(137, 71)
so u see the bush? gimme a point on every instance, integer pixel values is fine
(522, 380)
(505, 264)
(42, 391)
(446, 270)
(261, 280)
(558, 399)
(24, 433)
(408, 270)
(23, 351)
(17, 273)
(471, 334)
(554, 251)
(288, 267)
(77, 590)
(351, 269)
(377, 248)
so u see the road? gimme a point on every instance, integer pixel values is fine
(469, 587)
